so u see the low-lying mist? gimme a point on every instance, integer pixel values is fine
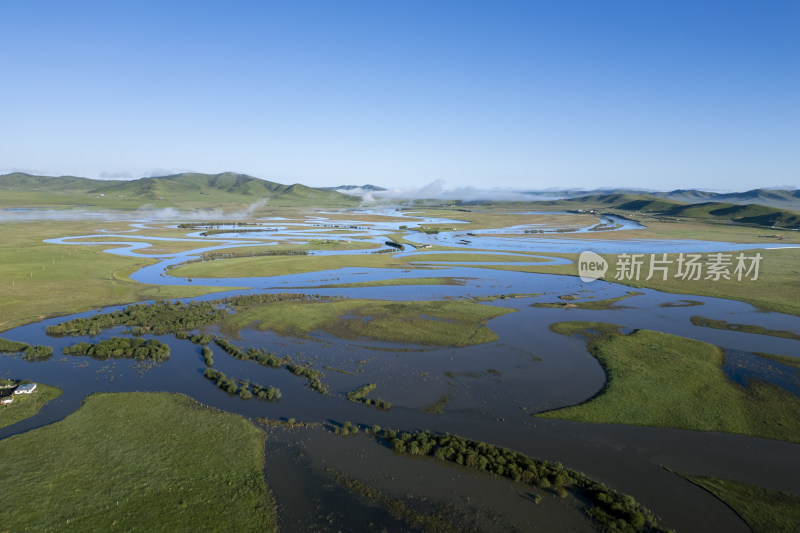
(145, 213)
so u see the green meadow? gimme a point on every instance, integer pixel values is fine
(764, 510)
(662, 380)
(137, 461)
(441, 323)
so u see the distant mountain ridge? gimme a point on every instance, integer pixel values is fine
(367, 187)
(177, 189)
(755, 196)
(787, 198)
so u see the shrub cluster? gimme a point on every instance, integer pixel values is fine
(202, 339)
(210, 256)
(29, 353)
(37, 353)
(311, 375)
(360, 395)
(346, 429)
(249, 300)
(244, 388)
(210, 232)
(117, 347)
(159, 318)
(270, 359)
(395, 245)
(163, 317)
(262, 357)
(610, 510)
(208, 356)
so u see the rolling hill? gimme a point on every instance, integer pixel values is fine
(188, 190)
(29, 182)
(754, 214)
(789, 199)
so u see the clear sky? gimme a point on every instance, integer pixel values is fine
(529, 94)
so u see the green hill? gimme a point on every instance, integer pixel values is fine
(29, 182)
(188, 190)
(755, 214)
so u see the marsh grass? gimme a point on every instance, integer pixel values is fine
(662, 380)
(27, 405)
(744, 328)
(793, 362)
(418, 513)
(437, 323)
(137, 461)
(438, 406)
(597, 305)
(764, 510)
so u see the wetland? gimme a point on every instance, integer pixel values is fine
(470, 380)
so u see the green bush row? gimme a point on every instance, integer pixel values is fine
(262, 357)
(117, 347)
(311, 375)
(159, 318)
(360, 395)
(610, 510)
(244, 388)
(208, 356)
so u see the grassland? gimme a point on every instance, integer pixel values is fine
(27, 405)
(440, 323)
(662, 380)
(764, 510)
(137, 461)
(283, 265)
(39, 280)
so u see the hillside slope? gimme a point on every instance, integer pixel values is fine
(29, 182)
(754, 214)
(188, 190)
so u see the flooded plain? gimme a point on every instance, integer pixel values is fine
(485, 392)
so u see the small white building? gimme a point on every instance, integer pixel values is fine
(25, 389)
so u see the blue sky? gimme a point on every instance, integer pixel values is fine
(516, 94)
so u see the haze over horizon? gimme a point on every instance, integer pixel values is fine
(516, 95)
